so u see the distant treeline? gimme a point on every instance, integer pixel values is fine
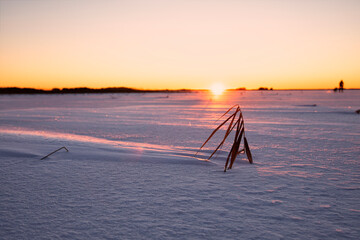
(15, 90)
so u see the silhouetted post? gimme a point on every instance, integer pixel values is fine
(341, 86)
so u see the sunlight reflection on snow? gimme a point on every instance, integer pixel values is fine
(83, 138)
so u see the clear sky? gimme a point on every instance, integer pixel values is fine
(180, 43)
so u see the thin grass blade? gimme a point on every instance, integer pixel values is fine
(236, 148)
(228, 131)
(227, 112)
(54, 152)
(247, 150)
(228, 158)
(233, 146)
(216, 129)
(212, 134)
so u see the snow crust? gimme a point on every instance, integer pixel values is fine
(130, 171)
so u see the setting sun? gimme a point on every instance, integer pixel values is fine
(217, 89)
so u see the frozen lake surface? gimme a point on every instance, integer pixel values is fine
(130, 171)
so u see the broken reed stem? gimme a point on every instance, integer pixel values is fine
(54, 152)
(237, 121)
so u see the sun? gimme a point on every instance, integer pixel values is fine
(217, 89)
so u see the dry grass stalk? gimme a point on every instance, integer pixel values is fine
(54, 152)
(237, 121)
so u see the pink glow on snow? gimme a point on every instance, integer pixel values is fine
(88, 139)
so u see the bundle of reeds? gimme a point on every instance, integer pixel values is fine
(236, 120)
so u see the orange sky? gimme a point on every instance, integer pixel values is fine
(180, 43)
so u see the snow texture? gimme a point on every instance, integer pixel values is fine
(130, 171)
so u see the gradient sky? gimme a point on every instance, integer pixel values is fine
(180, 43)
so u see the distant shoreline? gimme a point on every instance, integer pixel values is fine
(85, 90)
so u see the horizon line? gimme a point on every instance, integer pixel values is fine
(129, 89)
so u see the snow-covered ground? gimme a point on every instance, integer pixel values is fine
(130, 171)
